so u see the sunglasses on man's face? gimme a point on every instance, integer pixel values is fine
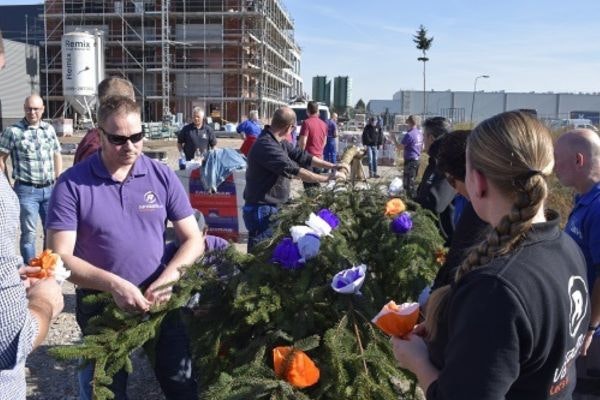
(120, 140)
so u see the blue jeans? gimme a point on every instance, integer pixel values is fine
(372, 150)
(33, 202)
(330, 151)
(257, 219)
(172, 357)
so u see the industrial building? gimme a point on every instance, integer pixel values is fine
(18, 79)
(229, 56)
(460, 106)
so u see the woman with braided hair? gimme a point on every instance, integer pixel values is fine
(513, 322)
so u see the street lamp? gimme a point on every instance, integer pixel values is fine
(474, 90)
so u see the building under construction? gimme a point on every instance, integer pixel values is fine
(229, 56)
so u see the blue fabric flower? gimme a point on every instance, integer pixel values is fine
(329, 217)
(401, 224)
(308, 246)
(287, 254)
(349, 281)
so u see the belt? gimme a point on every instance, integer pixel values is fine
(35, 185)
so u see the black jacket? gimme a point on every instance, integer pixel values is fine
(371, 136)
(436, 194)
(513, 328)
(470, 230)
(271, 164)
(193, 138)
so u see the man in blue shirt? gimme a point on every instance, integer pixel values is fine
(330, 151)
(577, 165)
(249, 129)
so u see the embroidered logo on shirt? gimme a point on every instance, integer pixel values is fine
(150, 199)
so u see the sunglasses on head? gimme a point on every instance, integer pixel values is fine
(120, 140)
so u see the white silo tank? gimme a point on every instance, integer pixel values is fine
(83, 69)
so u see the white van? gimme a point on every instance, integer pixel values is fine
(299, 108)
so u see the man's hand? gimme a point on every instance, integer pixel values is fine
(26, 270)
(160, 291)
(339, 175)
(129, 297)
(343, 168)
(589, 336)
(46, 293)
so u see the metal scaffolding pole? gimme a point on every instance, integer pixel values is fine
(166, 85)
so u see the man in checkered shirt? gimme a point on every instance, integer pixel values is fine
(35, 152)
(25, 314)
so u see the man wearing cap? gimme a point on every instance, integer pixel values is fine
(36, 160)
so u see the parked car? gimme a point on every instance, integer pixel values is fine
(587, 126)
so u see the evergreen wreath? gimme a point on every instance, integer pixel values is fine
(245, 306)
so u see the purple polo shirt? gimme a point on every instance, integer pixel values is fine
(120, 227)
(413, 144)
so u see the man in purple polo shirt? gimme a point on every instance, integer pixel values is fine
(413, 145)
(107, 220)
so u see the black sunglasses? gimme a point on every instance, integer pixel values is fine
(120, 140)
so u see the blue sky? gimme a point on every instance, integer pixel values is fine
(536, 45)
(523, 45)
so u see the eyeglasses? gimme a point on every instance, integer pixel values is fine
(120, 140)
(33, 109)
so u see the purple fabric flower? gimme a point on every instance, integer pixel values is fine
(349, 281)
(401, 224)
(329, 217)
(287, 254)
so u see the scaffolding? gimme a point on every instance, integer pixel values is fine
(228, 56)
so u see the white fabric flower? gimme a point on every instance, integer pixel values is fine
(298, 231)
(319, 225)
(60, 272)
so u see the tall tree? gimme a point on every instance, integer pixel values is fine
(423, 43)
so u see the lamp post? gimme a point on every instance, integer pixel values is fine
(474, 90)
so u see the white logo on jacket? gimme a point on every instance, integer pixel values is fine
(578, 303)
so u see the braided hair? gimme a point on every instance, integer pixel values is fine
(514, 152)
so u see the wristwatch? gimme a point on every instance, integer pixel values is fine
(593, 328)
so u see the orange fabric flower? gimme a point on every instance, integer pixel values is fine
(397, 320)
(295, 367)
(47, 261)
(440, 256)
(394, 207)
